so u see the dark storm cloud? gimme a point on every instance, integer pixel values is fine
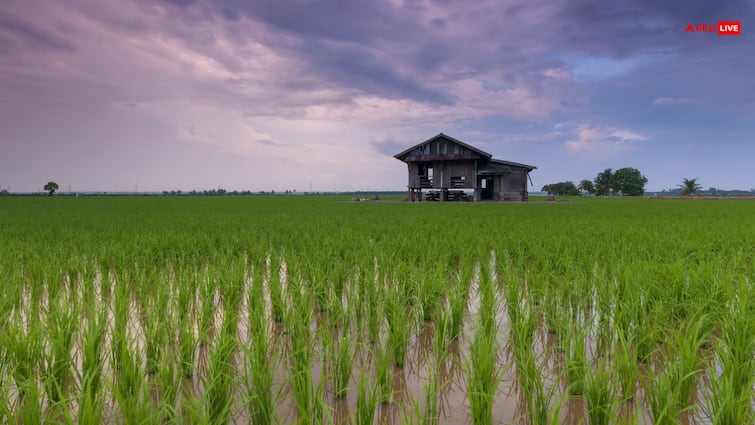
(13, 26)
(414, 51)
(621, 28)
(389, 147)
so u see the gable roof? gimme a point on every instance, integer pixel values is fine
(482, 153)
(513, 164)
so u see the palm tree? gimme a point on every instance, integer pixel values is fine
(689, 187)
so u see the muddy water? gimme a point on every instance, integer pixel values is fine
(408, 384)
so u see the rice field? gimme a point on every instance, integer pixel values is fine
(278, 310)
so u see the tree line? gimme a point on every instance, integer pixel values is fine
(626, 181)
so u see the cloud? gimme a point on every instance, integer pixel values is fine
(670, 100)
(602, 141)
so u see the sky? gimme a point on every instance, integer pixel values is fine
(152, 95)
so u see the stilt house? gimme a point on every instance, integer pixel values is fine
(445, 166)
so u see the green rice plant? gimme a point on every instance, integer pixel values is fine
(442, 334)
(531, 382)
(130, 391)
(30, 408)
(340, 352)
(625, 367)
(432, 387)
(308, 397)
(275, 288)
(367, 400)
(732, 371)
(576, 362)
(25, 350)
(187, 346)
(430, 291)
(262, 360)
(457, 304)
(482, 372)
(119, 334)
(168, 382)
(482, 378)
(661, 391)
(90, 397)
(207, 309)
(374, 321)
(399, 326)
(219, 380)
(155, 338)
(382, 357)
(599, 395)
(688, 368)
(62, 323)
(261, 363)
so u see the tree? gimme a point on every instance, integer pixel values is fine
(561, 188)
(51, 187)
(690, 187)
(586, 186)
(629, 181)
(603, 184)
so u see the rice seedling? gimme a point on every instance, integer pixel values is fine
(367, 400)
(218, 382)
(627, 372)
(340, 353)
(172, 309)
(732, 372)
(130, 389)
(62, 323)
(262, 360)
(576, 362)
(382, 358)
(661, 391)
(599, 395)
(483, 375)
(482, 378)
(399, 326)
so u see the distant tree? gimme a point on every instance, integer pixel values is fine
(561, 188)
(603, 184)
(51, 187)
(4, 192)
(586, 186)
(629, 181)
(689, 187)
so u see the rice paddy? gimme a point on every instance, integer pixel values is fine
(277, 310)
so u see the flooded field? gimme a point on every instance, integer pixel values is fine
(315, 311)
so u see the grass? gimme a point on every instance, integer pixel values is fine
(206, 310)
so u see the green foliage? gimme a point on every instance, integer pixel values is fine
(625, 181)
(51, 187)
(561, 188)
(690, 186)
(628, 181)
(586, 186)
(202, 310)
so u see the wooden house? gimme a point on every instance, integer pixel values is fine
(445, 166)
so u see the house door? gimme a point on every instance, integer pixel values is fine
(486, 188)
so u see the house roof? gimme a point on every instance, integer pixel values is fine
(401, 156)
(443, 136)
(513, 164)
